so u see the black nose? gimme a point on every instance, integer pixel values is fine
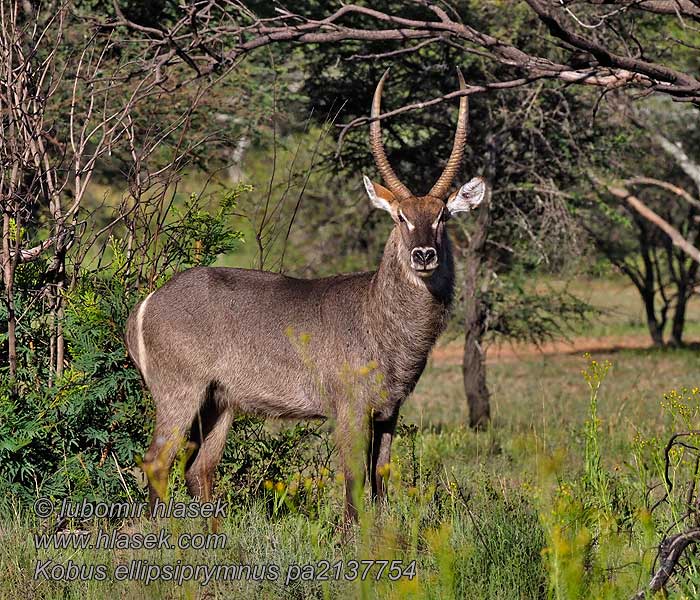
(424, 256)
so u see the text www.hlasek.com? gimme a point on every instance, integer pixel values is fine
(116, 540)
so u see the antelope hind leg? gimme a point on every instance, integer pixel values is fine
(171, 429)
(209, 431)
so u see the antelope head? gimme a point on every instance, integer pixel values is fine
(421, 219)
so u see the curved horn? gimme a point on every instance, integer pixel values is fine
(375, 140)
(442, 186)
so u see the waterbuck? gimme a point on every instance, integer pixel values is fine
(213, 342)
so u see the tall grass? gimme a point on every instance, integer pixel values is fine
(544, 513)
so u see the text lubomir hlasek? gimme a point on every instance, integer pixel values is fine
(127, 510)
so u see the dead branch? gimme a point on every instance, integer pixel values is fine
(641, 208)
(679, 191)
(672, 547)
(670, 552)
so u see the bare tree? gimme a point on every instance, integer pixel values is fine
(70, 96)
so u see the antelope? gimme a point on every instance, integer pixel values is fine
(215, 342)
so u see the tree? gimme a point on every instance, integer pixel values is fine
(591, 44)
(419, 143)
(641, 215)
(662, 273)
(72, 113)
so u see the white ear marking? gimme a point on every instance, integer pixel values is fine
(469, 196)
(376, 200)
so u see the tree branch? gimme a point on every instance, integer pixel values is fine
(196, 39)
(677, 8)
(690, 168)
(641, 208)
(671, 78)
(679, 191)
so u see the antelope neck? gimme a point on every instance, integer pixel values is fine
(414, 306)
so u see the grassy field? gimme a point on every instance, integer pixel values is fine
(551, 502)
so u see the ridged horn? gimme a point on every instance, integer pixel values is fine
(375, 141)
(442, 186)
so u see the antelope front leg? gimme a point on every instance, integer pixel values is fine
(352, 436)
(380, 456)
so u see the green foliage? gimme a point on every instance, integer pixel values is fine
(286, 470)
(599, 527)
(80, 437)
(521, 314)
(507, 540)
(197, 236)
(518, 311)
(481, 517)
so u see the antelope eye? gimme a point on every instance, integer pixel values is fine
(401, 219)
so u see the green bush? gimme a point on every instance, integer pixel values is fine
(80, 437)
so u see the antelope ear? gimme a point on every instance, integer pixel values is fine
(469, 196)
(380, 196)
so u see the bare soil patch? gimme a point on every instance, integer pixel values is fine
(451, 354)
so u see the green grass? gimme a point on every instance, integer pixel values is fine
(621, 310)
(451, 559)
(517, 511)
(546, 395)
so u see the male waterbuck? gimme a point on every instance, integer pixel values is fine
(213, 342)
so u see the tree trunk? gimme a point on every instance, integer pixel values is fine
(475, 310)
(647, 288)
(679, 318)
(656, 329)
(8, 276)
(473, 365)
(685, 289)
